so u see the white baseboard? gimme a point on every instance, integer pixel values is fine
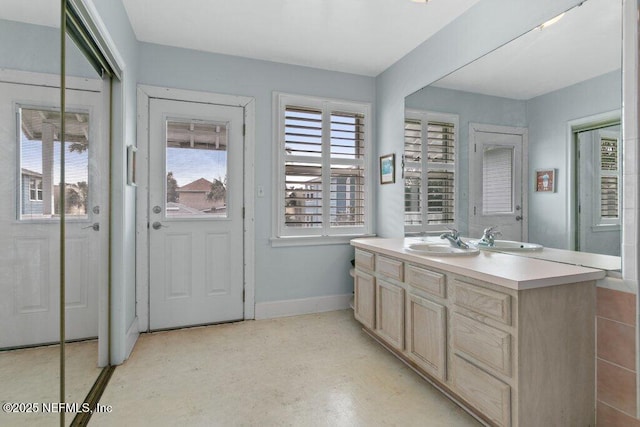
(294, 307)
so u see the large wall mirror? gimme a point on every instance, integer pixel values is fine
(527, 138)
(54, 220)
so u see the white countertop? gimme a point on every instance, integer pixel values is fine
(510, 271)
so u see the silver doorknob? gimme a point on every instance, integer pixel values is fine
(519, 218)
(157, 225)
(95, 226)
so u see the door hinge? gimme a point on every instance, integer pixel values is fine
(579, 209)
(243, 212)
(474, 148)
(244, 130)
(474, 210)
(243, 295)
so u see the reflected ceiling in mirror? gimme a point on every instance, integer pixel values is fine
(583, 44)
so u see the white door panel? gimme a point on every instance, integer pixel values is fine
(195, 213)
(30, 235)
(496, 181)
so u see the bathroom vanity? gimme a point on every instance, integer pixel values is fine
(510, 338)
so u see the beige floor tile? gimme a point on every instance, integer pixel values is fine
(32, 375)
(314, 370)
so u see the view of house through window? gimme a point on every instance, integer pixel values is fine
(39, 181)
(196, 168)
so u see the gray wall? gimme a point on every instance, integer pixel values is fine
(281, 273)
(470, 108)
(548, 116)
(470, 36)
(36, 48)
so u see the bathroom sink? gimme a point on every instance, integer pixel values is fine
(507, 245)
(440, 249)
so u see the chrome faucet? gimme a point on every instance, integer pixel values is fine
(489, 236)
(453, 236)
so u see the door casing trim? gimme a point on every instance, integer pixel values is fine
(145, 94)
(573, 127)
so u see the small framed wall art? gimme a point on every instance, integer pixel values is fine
(388, 169)
(546, 180)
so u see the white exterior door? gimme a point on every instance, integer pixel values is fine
(496, 185)
(195, 213)
(29, 216)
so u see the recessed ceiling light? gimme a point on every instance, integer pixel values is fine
(551, 21)
(420, 1)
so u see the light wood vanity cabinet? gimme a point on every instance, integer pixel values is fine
(364, 286)
(390, 313)
(364, 303)
(426, 330)
(512, 357)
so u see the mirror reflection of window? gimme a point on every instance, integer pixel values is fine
(430, 141)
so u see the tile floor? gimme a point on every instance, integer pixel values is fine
(32, 375)
(313, 370)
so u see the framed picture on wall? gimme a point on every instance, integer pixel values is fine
(546, 180)
(388, 169)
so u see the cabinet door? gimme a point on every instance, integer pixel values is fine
(426, 335)
(365, 299)
(390, 313)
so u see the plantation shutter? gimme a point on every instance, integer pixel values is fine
(324, 169)
(412, 172)
(440, 175)
(429, 157)
(303, 167)
(347, 170)
(609, 178)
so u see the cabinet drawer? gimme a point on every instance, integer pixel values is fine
(487, 345)
(489, 395)
(427, 280)
(365, 260)
(495, 305)
(390, 267)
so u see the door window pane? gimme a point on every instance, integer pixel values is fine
(497, 180)
(196, 168)
(39, 180)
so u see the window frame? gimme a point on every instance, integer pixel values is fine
(426, 116)
(325, 234)
(35, 187)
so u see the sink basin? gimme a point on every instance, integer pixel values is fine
(507, 245)
(440, 249)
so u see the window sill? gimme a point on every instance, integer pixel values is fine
(278, 242)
